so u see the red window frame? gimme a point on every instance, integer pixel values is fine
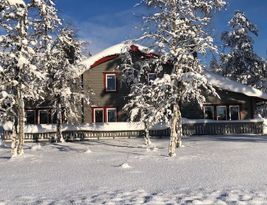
(105, 113)
(105, 74)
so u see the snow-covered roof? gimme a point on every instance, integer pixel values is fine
(233, 86)
(216, 80)
(113, 50)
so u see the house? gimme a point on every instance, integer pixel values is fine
(219, 115)
(236, 101)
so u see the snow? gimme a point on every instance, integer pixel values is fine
(208, 170)
(233, 86)
(111, 126)
(113, 50)
(16, 2)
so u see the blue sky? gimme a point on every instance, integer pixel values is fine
(104, 23)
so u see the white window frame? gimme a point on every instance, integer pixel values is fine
(230, 111)
(39, 115)
(103, 115)
(217, 110)
(107, 109)
(34, 115)
(106, 83)
(213, 111)
(148, 77)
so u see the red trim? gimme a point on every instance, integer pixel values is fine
(133, 48)
(105, 59)
(104, 112)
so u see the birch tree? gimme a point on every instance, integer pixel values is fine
(23, 25)
(177, 30)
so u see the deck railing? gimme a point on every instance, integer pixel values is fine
(39, 133)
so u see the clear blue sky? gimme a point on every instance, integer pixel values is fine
(106, 22)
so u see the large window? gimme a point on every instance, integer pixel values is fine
(209, 112)
(30, 117)
(43, 117)
(221, 112)
(234, 113)
(111, 114)
(110, 82)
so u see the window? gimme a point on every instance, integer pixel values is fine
(98, 115)
(234, 113)
(30, 117)
(102, 114)
(43, 117)
(221, 112)
(110, 82)
(111, 114)
(209, 112)
(151, 77)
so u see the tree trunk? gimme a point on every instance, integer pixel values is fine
(179, 130)
(14, 142)
(59, 121)
(21, 122)
(174, 138)
(147, 137)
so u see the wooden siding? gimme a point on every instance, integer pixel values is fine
(94, 79)
(247, 105)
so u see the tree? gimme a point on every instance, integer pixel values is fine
(64, 84)
(136, 66)
(241, 63)
(25, 27)
(177, 30)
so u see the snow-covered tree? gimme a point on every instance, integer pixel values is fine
(25, 26)
(136, 66)
(240, 62)
(177, 30)
(64, 83)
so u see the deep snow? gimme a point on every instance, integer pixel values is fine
(207, 170)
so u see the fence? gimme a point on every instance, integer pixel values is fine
(190, 127)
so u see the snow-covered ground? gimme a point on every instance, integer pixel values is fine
(207, 170)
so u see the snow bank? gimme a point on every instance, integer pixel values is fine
(233, 86)
(115, 126)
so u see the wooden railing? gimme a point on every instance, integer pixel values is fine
(207, 127)
(190, 127)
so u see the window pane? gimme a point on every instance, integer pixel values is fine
(30, 117)
(221, 113)
(234, 112)
(208, 112)
(111, 83)
(99, 116)
(151, 77)
(43, 114)
(112, 115)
